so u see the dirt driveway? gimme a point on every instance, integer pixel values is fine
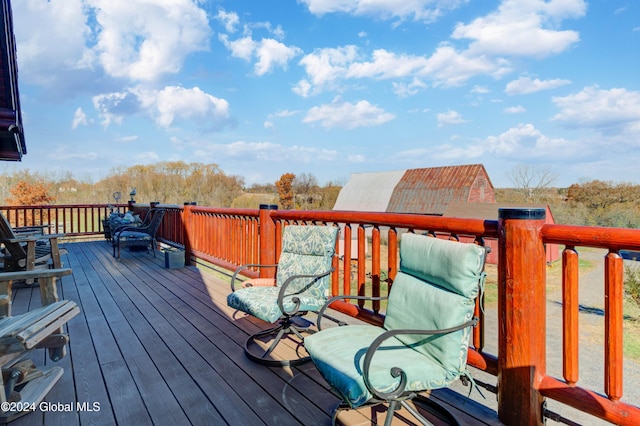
(591, 325)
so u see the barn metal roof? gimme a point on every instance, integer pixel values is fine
(430, 190)
(420, 191)
(12, 145)
(368, 191)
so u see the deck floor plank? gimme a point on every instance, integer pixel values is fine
(248, 388)
(160, 346)
(183, 344)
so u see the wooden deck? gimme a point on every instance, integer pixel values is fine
(160, 346)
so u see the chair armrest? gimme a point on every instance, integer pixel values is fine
(28, 238)
(243, 267)
(46, 277)
(397, 371)
(40, 273)
(294, 299)
(321, 313)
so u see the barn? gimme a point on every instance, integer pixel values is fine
(458, 191)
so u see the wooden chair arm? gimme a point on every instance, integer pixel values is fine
(26, 239)
(46, 277)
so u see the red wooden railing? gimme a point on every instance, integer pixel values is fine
(368, 262)
(71, 219)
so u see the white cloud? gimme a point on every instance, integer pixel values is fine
(268, 52)
(522, 143)
(229, 20)
(480, 90)
(302, 88)
(404, 90)
(127, 139)
(147, 157)
(141, 40)
(526, 142)
(329, 67)
(324, 67)
(242, 48)
(272, 53)
(525, 85)
(270, 152)
(515, 109)
(50, 39)
(419, 10)
(613, 111)
(164, 106)
(112, 107)
(450, 117)
(346, 115)
(79, 118)
(450, 67)
(523, 28)
(385, 64)
(66, 152)
(191, 104)
(67, 42)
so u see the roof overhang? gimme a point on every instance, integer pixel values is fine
(12, 145)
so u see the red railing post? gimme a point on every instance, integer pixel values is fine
(267, 237)
(522, 312)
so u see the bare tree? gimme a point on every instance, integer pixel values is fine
(533, 181)
(306, 190)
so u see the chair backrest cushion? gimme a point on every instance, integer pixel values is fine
(307, 250)
(436, 288)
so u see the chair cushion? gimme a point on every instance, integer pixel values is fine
(133, 235)
(307, 250)
(448, 264)
(338, 353)
(262, 302)
(414, 304)
(309, 240)
(445, 276)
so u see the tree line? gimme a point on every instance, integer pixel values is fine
(167, 183)
(593, 203)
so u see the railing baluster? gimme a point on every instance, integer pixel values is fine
(346, 261)
(375, 267)
(392, 257)
(362, 263)
(613, 315)
(570, 306)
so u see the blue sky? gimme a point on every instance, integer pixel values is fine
(332, 87)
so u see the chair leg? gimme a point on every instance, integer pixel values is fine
(285, 327)
(390, 411)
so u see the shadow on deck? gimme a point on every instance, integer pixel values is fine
(159, 346)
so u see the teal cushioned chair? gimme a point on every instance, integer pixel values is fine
(301, 284)
(424, 340)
